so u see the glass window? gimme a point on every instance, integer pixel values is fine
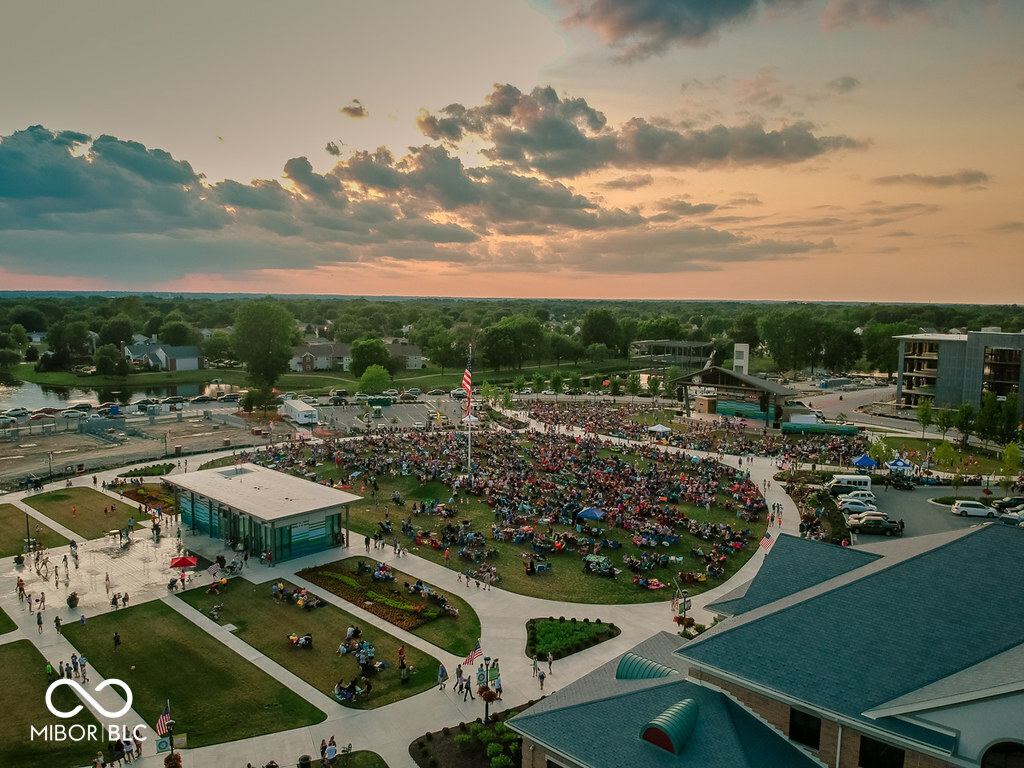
(875, 754)
(804, 728)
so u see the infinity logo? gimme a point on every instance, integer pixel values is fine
(85, 696)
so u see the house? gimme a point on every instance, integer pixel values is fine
(320, 357)
(401, 348)
(903, 654)
(165, 357)
(37, 337)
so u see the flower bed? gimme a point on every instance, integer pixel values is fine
(390, 608)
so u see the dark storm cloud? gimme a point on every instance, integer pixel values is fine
(323, 187)
(636, 181)
(566, 137)
(843, 84)
(259, 195)
(641, 28)
(332, 148)
(355, 110)
(962, 178)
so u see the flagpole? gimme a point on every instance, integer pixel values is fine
(469, 422)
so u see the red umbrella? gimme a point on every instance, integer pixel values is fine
(184, 562)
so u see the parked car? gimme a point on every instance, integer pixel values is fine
(17, 413)
(84, 407)
(972, 508)
(1012, 518)
(308, 400)
(414, 391)
(854, 519)
(173, 400)
(339, 393)
(338, 400)
(361, 397)
(853, 506)
(436, 392)
(526, 391)
(201, 399)
(458, 394)
(408, 397)
(71, 413)
(549, 392)
(899, 483)
(390, 393)
(861, 494)
(595, 393)
(228, 397)
(878, 526)
(1008, 502)
(419, 425)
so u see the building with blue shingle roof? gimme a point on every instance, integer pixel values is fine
(903, 655)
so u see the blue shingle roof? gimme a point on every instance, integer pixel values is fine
(890, 632)
(794, 565)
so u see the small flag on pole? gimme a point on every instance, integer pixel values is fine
(164, 719)
(475, 654)
(766, 542)
(467, 380)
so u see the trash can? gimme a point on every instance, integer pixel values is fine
(305, 761)
(227, 442)
(177, 450)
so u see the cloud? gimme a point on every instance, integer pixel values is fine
(333, 149)
(566, 137)
(355, 110)
(636, 181)
(843, 84)
(1008, 227)
(762, 90)
(961, 178)
(642, 28)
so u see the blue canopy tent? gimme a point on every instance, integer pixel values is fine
(590, 513)
(899, 465)
(865, 461)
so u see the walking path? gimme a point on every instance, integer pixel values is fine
(389, 730)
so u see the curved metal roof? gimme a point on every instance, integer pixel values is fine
(634, 667)
(672, 728)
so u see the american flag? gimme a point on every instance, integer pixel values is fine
(766, 542)
(467, 380)
(475, 654)
(165, 717)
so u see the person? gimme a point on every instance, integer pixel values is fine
(403, 671)
(551, 660)
(323, 742)
(117, 641)
(56, 624)
(535, 668)
(331, 752)
(401, 654)
(497, 686)
(39, 621)
(541, 676)
(442, 676)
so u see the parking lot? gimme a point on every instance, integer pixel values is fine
(401, 415)
(920, 516)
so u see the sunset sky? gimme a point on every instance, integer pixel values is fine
(843, 150)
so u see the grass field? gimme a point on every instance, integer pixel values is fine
(23, 679)
(205, 681)
(457, 635)
(12, 531)
(90, 522)
(265, 623)
(973, 461)
(565, 580)
(6, 623)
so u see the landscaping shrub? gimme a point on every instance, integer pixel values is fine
(502, 761)
(494, 749)
(563, 638)
(464, 740)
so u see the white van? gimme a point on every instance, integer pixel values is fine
(841, 484)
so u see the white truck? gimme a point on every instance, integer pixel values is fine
(299, 412)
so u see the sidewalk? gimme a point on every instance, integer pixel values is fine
(141, 570)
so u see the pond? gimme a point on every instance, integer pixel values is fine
(15, 393)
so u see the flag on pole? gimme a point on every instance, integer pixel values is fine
(766, 542)
(165, 717)
(475, 654)
(467, 380)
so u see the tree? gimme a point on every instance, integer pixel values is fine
(597, 353)
(31, 354)
(945, 454)
(564, 348)
(957, 482)
(367, 352)
(654, 386)
(575, 381)
(179, 333)
(881, 350)
(879, 451)
(262, 339)
(1011, 460)
(744, 330)
(116, 331)
(633, 385)
(375, 379)
(841, 347)
(614, 386)
(924, 414)
(109, 361)
(944, 420)
(1009, 426)
(28, 317)
(557, 381)
(539, 381)
(964, 422)
(9, 357)
(18, 335)
(218, 346)
(600, 326)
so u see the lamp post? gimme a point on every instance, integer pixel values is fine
(346, 753)
(170, 734)
(484, 687)
(685, 603)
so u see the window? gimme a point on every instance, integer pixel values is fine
(875, 754)
(804, 729)
(1004, 755)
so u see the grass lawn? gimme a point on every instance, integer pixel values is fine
(566, 579)
(12, 531)
(978, 462)
(6, 623)
(562, 637)
(90, 522)
(205, 681)
(152, 494)
(151, 470)
(456, 634)
(265, 624)
(24, 682)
